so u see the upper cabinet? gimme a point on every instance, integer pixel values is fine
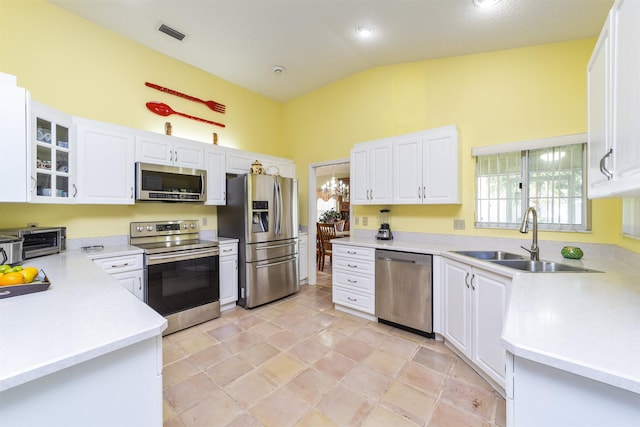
(52, 164)
(106, 164)
(167, 150)
(239, 162)
(214, 160)
(370, 174)
(425, 167)
(614, 129)
(14, 124)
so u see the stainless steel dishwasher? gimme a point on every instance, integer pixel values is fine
(404, 294)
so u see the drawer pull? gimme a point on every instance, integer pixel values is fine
(352, 281)
(352, 265)
(352, 252)
(120, 266)
(227, 250)
(352, 299)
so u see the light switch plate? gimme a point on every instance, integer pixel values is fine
(365, 220)
(458, 224)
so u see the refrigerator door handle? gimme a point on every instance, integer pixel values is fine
(258, 248)
(271, 264)
(278, 207)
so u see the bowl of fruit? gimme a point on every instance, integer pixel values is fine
(18, 280)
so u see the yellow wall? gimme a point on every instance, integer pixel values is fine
(78, 67)
(492, 98)
(82, 69)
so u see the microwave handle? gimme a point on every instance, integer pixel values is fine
(202, 184)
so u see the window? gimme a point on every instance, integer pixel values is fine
(551, 179)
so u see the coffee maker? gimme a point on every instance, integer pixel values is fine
(384, 232)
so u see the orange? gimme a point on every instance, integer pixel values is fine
(29, 274)
(13, 278)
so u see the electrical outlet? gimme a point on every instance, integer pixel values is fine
(365, 220)
(204, 220)
(357, 220)
(458, 224)
(32, 224)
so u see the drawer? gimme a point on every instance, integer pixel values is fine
(354, 299)
(353, 280)
(353, 264)
(353, 252)
(120, 263)
(228, 250)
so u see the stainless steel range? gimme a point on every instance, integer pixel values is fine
(181, 272)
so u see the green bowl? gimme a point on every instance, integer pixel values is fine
(572, 252)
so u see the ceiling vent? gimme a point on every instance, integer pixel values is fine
(171, 32)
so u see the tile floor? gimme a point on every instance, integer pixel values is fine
(299, 362)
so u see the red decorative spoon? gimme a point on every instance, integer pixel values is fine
(164, 110)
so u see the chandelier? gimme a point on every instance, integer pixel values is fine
(334, 188)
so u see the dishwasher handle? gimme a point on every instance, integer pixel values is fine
(389, 259)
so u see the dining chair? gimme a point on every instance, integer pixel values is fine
(326, 233)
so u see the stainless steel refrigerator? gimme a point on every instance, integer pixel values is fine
(262, 212)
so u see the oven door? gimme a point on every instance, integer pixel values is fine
(178, 281)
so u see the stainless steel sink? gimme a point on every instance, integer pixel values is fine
(542, 266)
(491, 255)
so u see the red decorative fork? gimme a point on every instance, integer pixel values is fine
(215, 106)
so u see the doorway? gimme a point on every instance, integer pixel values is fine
(319, 174)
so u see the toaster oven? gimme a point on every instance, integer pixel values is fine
(39, 241)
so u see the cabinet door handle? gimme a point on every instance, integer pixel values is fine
(171, 155)
(75, 190)
(352, 265)
(424, 192)
(352, 281)
(472, 277)
(132, 192)
(139, 283)
(603, 167)
(466, 279)
(352, 299)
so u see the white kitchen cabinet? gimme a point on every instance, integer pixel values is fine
(370, 176)
(473, 308)
(106, 166)
(52, 164)
(353, 274)
(128, 270)
(239, 162)
(426, 167)
(168, 150)
(228, 274)
(614, 73)
(303, 256)
(568, 399)
(214, 159)
(14, 117)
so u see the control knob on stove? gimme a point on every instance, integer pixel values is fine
(149, 228)
(185, 226)
(139, 228)
(193, 225)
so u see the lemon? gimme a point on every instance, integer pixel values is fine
(29, 274)
(13, 278)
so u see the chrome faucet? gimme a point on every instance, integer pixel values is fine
(524, 227)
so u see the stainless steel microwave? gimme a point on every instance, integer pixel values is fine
(160, 183)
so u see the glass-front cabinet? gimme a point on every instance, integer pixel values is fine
(52, 166)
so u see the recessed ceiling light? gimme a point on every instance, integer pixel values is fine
(364, 31)
(485, 4)
(278, 69)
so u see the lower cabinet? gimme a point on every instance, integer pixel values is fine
(303, 256)
(126, 269)
(228, 274)
(473, 310)
(353, 271)
(540, 395)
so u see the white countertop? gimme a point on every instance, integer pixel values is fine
(84, 314)
(584, 323)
